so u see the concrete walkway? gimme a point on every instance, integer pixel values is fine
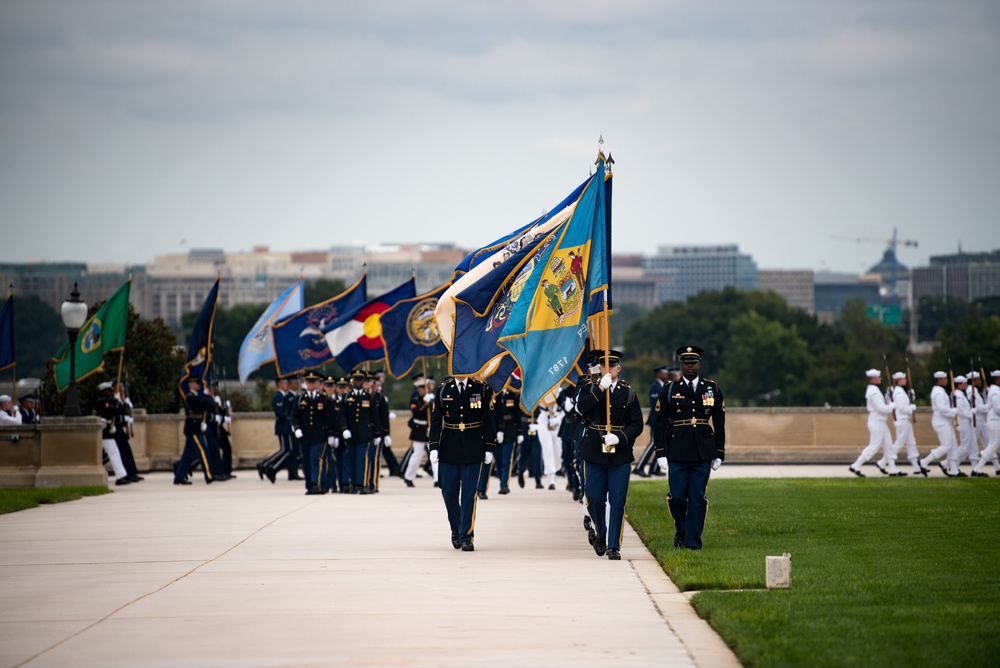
(253, 574)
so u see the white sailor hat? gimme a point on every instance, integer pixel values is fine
(105, 386)
(5, 397)
(419, 382)
(873, 373)
(940, 374)
(973, 374)
(995, 373)
(899, 375)
(961, 379)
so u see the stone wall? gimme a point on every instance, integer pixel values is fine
(65, 451)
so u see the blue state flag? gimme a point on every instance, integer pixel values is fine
(199, 351)
(257, 349)
(299, 340)
(357, 337)
(7, 357)
(410, 332)
(546, 332)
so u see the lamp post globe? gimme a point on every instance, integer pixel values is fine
(74, 315)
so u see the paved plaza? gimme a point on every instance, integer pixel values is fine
(252, 574)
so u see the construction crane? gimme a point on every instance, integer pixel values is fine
(890, 252)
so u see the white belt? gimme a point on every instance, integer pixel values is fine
(420, 422)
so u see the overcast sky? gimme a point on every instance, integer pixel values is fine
(130, 129)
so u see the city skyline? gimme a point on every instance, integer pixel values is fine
(129, 131)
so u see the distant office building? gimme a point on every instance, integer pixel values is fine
(53, 282)
(630, 283)
(796, 286)
(965, 276)
(833, 290)
(683, 271)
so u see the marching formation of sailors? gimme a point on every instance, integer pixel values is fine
(964, 418)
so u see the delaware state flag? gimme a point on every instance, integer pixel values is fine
(358, 338)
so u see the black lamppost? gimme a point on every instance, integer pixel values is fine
(74, 315)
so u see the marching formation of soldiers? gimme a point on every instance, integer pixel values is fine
(959, 404)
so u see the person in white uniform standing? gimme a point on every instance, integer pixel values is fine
(977, 397)
(992, 424)
(549, 419)
(903, 409)
(967, 449)
(942, 421)
(878, 430)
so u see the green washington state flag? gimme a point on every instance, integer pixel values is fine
(104, 332)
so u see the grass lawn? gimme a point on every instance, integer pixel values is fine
(885, 572)
(12, 500)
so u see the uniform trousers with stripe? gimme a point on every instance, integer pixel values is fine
(458, 489)
(195, 452)
(606, 488)
(687, 502)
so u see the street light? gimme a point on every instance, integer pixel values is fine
(74, 315)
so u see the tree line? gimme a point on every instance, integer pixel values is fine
(763, 351)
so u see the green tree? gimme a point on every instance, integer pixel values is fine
(322, 289)
(38, 333)
(765, 360)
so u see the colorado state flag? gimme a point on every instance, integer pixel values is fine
(357, 337)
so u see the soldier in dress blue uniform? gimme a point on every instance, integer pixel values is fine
(508, 421)
(662, 374)
(360, 425)
(326, 477)
(688, 446)
(309, 424)
(195, 447)
(340, 458)
(462, 439)
(606, 450)
(283, 430)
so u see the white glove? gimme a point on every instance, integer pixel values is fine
(218, 418)
(568, 405)
(434, 456)
(227, 419)
(606, 381)
(594, 368)
(229, 404)
(392, 416)
(15, 409)
(129, 419)
(610, 439)
(533, 426)
(520, 439)
(387, 440)
(330, 440)
(103, 421)
(204, 426)
(488, 459)
(128, 402)
(218, 400)
(499, 437)
(298, 433)
(662, 462)
(429, 397)
(716, 463)
(347, 434)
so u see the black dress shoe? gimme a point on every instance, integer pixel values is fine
(136, 478)
(520, 480)
(437, 484)
(961, 474)
(659, 473)
(591, 536)
(539, 485)
(409, 483)
(923, 471)
(482, 495)
(600, 545)
(678, 540)
(455, 543)
(944, 470)
(614, 554)
(260, 470)
(576, 495)
(552, 486)
(639, 472)
(881, 469)
(855, 472)
(505, 490)
(312, 491)
(124, 480)
(182, 482)
(269, 472)
(467, 546)
(295, 477)
(898, 474)
(588, 524)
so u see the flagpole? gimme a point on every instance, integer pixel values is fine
(13, 367)
(606, 327)
(121, 362)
